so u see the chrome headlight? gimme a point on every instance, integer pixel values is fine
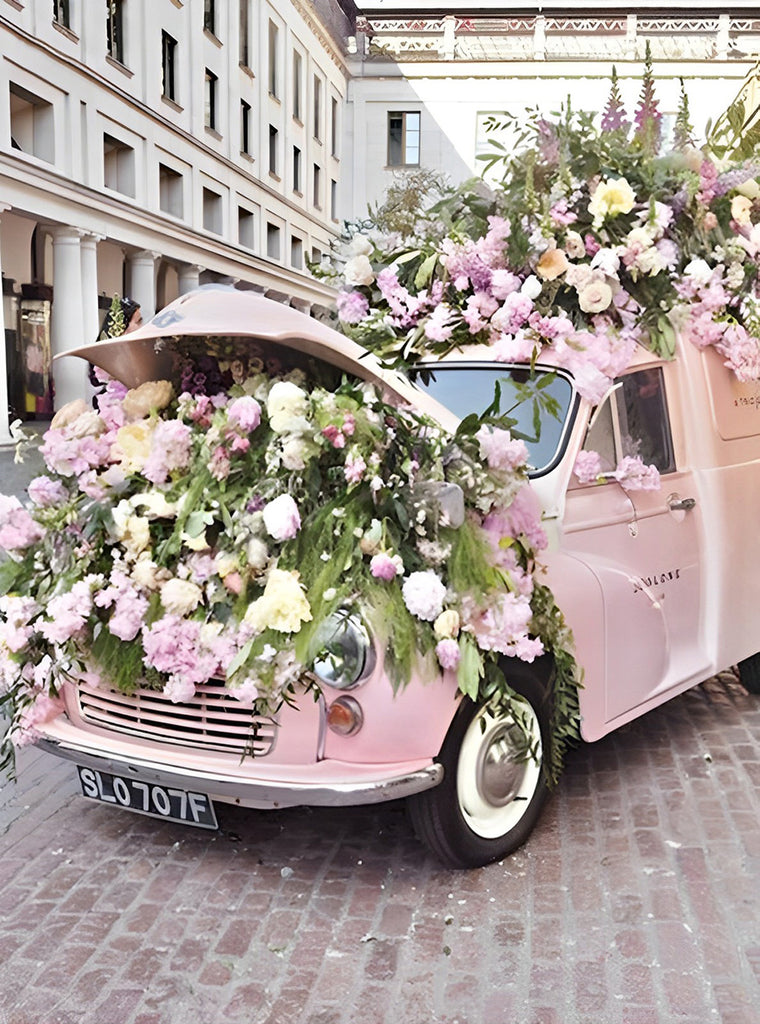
(345, 655)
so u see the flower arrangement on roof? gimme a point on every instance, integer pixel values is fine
(181, 538)
(590, 240)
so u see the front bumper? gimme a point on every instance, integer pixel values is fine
(330, 783)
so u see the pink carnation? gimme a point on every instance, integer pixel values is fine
(171, 447)
(17, 528)
(44, 491)
(500, 450)
(588, 467)
(633, 475)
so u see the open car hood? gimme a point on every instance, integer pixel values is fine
(225, 321)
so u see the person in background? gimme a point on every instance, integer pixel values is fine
(123, 316)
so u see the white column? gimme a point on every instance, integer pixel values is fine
(142, 281)
(539, 38)
(631, 31)
(67, 328)
(724, 36)
(448, 42)
(5, 434)
(90, 309)
(188, 276)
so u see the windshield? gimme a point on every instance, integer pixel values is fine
(465, 388)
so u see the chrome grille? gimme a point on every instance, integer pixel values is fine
(212, 720)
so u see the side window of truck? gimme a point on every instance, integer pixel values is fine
(634, 421)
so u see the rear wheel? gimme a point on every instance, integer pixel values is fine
(492, 793)
(749, 673)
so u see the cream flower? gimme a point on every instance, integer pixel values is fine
(152, 396)
(286, 403)
(89, 424)
(154, 504)
(147, 574)
(611, 198)
(358, 271)
(134, 535)
(741, 208)
(179, 597)
(575, 247)
(283, 605)
(69, 413)
(132, 446)
(553, 264)
(446, 626)
(360, 245)
(595, 297)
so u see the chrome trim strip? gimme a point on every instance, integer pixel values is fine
(254, 792)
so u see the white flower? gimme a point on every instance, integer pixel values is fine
(699, 271)
(446, 626)
(360, 245)
(358, 271)
(531, 287)
(606, 260)
(424, 593)
(286, 402)
(257, 554)
(595, 297)
(294, 451)
(281, 517)
(179, 597)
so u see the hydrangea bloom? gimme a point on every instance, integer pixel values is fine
(424, 594)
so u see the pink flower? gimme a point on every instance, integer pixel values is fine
(281, 518)
(424, 594)
(44, 491)
(219, 465)
(588, 467)
(385, 567)
(500, 450)
(334, 435)
(633, 475)
(354, 469)
(447, 652)
(17, 528)
(244, 412)
(352, 307)
(42, 710)
(67, 614)
(171, 447)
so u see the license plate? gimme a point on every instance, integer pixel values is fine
(147, 798)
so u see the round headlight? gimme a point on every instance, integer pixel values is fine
(345, 657)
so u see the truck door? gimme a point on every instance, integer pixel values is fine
(643, 547)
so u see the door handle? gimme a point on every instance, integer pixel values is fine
(676, 504)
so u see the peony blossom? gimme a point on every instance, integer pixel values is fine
(447, 653)
(386, 567)
(283, 606)
(286, 403)
(424, 594)
(281, 518)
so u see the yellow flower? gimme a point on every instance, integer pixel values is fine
(283, 605)
(132, 446)
(552, 264)
(611, 198)
(180, 597)
(446, 626)
(153, 395)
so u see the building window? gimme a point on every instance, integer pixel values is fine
(210, 107)
(61, 13)
(32, 129)
(212, 211)
(317, 190)
(403, 139)
(170, 190)
(317, 108)
(297, 184)
(333, 199)
(115, 29)
(274, 70)
(316, 255)
(273, 141)
(168, 66)
(297, 86)
(245, 227)
(333, 127)
(296, 252)
(244, 33)
(245, 127)
(118, 165)
(209, 16)
(273, 241)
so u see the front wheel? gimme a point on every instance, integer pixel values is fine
(492, 790)
(749, 673)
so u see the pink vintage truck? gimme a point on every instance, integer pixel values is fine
(652, 582)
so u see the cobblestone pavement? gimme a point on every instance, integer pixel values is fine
(634, 902)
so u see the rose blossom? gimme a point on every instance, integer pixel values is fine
(281, 517)
(424, 593)
(595, 297)
(553, 264)
(358, 271)
(446, 626)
